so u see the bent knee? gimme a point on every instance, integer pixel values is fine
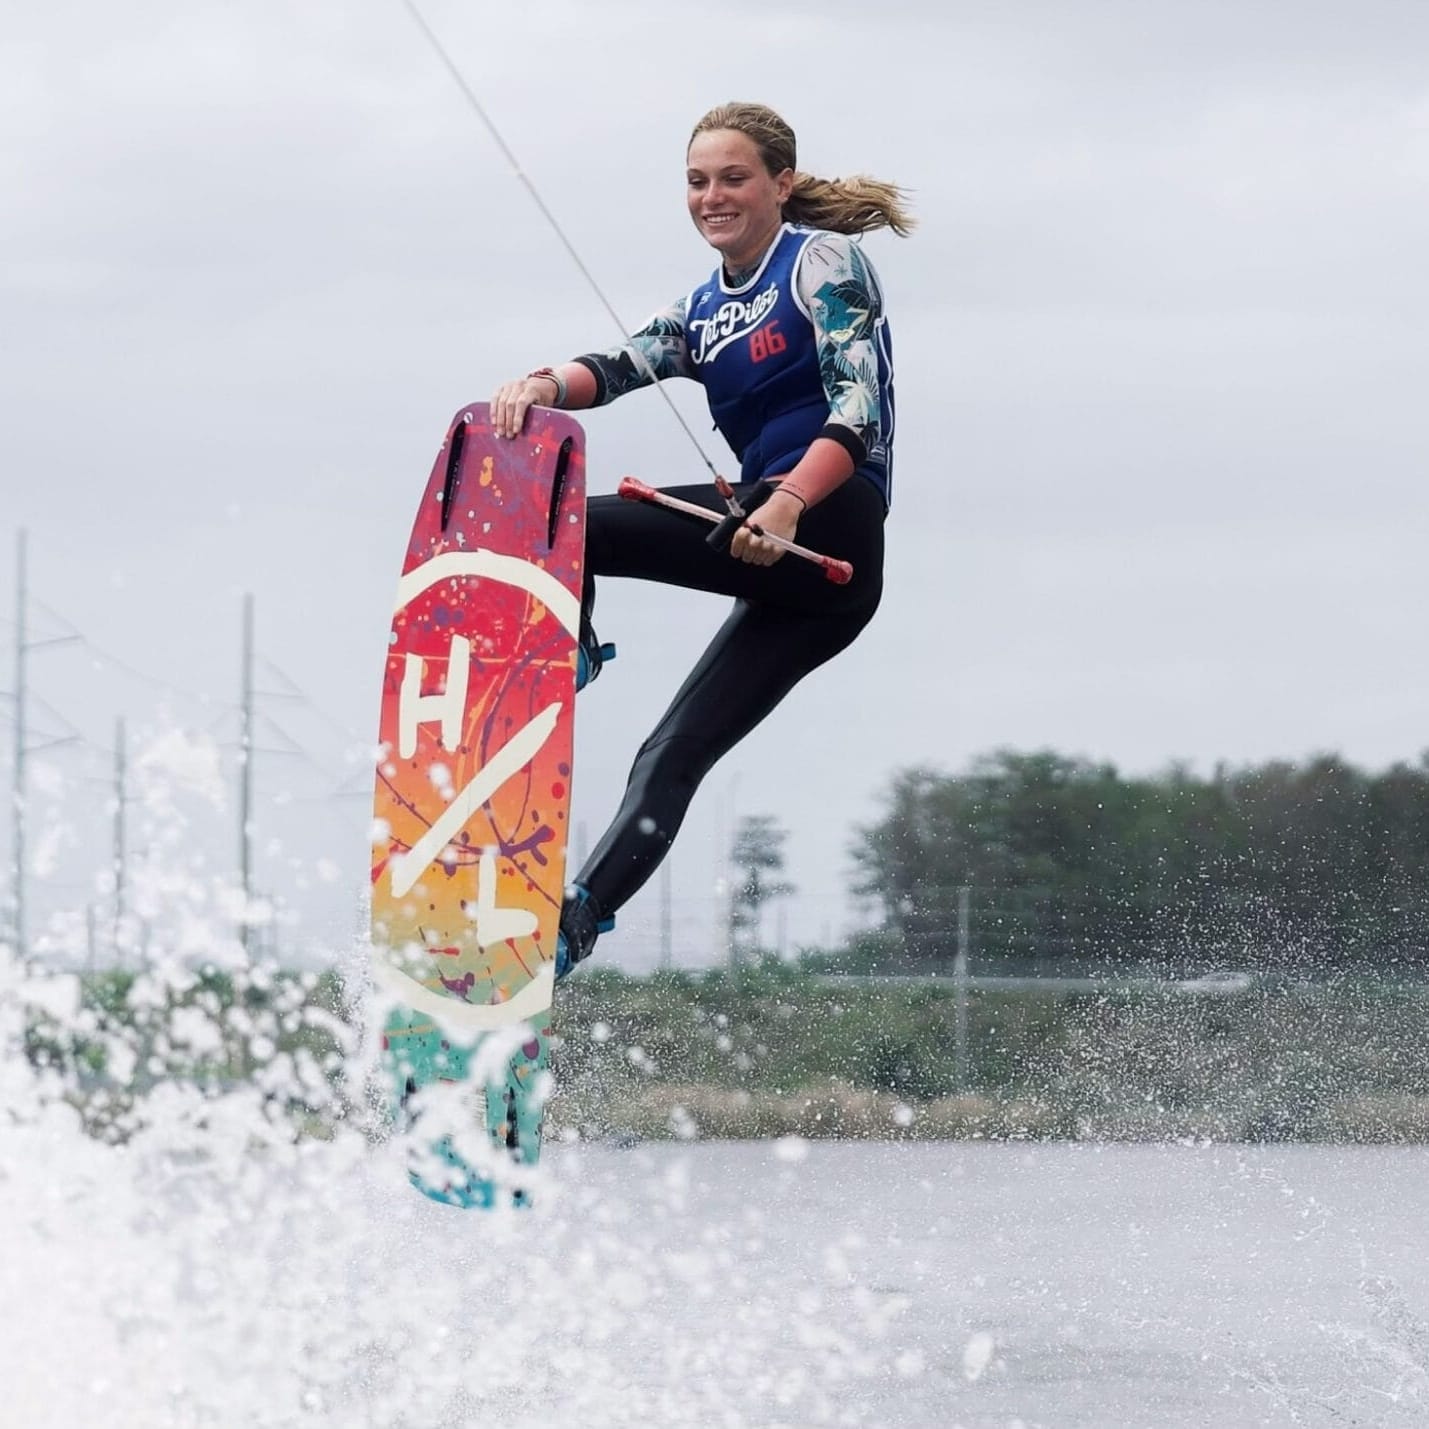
(672, 761)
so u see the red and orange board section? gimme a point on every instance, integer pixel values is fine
(472, 802)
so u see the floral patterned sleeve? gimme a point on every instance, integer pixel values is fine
(659, 348)
(841, 292)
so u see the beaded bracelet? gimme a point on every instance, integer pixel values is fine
(555, 377)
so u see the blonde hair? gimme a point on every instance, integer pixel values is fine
(857, 204)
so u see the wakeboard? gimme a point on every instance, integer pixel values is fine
(472, 801)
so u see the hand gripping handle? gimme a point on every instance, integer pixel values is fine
(723, 534)
(632, 489)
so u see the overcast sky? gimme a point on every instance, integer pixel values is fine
(1161, 365)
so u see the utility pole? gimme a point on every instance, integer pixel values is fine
(666, 951)
(720, 946)
(23, 646)
(119, 858)
(729, 871)
(17, 850)
(960, 992)
(245, 775)
(255, 934)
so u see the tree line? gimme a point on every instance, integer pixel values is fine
(1315, 864)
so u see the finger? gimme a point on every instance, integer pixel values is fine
(505, 416)
(514, 413)
(746, 545)
(509, 415)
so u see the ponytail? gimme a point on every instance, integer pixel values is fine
(857, 204)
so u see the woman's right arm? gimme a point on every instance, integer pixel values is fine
(654, 353)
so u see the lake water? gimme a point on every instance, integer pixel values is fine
(713, 1284)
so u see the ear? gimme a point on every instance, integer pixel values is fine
(784, 185)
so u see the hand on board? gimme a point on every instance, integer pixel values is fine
(512, 400)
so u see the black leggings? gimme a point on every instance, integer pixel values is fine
(787, 620)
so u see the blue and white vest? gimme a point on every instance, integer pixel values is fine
(754, 350)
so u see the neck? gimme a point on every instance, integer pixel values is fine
(741, 265)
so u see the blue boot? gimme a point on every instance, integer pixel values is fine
(590, 654)
(581, 925)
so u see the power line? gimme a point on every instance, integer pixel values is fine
(524, 179)
(297, 692)
(259, 735)
(294, 691)
(154, 681)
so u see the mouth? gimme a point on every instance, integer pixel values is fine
(718, 220)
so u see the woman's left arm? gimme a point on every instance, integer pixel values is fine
(845, 307)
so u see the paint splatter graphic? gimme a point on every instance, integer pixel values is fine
(473, 787)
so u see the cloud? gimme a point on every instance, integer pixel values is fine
(1159, 345)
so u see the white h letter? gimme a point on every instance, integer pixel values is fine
(415, 708)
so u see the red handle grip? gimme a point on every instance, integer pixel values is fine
(633, 489)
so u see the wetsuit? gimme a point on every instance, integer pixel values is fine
(833, 379)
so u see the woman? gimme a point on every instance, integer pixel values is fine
(789, 339)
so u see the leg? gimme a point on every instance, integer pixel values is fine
(787, 621)
(643, 542)
(756, 658)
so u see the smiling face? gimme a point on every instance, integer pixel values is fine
(736, 203)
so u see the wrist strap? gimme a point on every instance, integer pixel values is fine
(554, 376)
